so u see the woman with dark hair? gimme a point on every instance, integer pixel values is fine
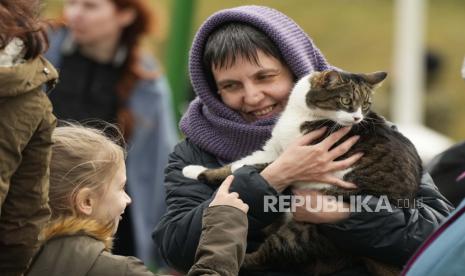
(104, 75)
(243, 64)
(26, 126)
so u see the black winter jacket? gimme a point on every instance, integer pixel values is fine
(387, 236)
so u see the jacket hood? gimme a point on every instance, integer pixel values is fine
(72, 226)
(295, 46)
(211, 124)
(24, 77)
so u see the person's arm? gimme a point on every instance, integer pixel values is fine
(391, 237)
(223, 242)
(11, 146)
(24, 117)
(178, 232)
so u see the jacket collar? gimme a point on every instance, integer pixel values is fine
(24, 77)
(72, 226)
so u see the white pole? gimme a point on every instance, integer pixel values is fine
(408, 76)
(407, 103)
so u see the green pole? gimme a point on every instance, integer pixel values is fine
(178, 52)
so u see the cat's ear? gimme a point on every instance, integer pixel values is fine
(326, 79)
(375, 78)
(331, 78)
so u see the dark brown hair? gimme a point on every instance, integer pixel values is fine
(20, 18)
(233, 40)
(133, 70)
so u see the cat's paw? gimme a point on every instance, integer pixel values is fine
(193, 171)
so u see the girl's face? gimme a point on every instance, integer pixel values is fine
(110, 206)
(92, 21)
(255, 91)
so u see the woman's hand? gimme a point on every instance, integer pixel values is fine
(224, 197)
(312, 163)
(327, 210)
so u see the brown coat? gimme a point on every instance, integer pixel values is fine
(79, 247)
(222, 243)
(26, 125)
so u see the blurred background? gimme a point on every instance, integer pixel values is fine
(355, 35)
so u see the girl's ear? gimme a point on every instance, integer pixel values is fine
(126, 17)
(85, 202)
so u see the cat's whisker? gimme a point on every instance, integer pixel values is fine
(333, 129)
(322, 123)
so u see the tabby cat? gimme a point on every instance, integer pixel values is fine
(390, 166)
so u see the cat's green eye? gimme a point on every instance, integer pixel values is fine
(346, 101)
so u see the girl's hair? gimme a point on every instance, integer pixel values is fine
(20, 18)
(82, 157)
(133, 69)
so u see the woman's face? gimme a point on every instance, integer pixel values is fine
(110, 206)
(255, 91)
(93, 21)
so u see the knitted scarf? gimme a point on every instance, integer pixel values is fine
(208, 122)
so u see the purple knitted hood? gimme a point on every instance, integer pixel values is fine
(208, 122)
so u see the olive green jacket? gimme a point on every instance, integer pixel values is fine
(77, 247)
(26, 125)
(222, 243)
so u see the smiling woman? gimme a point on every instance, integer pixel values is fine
(243, 70)
(243, 63)
(255, 83)
(256, 91)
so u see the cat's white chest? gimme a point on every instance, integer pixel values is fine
(287, 129)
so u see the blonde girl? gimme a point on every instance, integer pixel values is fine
(87, 199)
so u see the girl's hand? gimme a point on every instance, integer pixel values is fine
(325, 211)
(312, 163)
(224, 197)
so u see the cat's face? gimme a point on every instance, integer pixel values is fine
(340, 96)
